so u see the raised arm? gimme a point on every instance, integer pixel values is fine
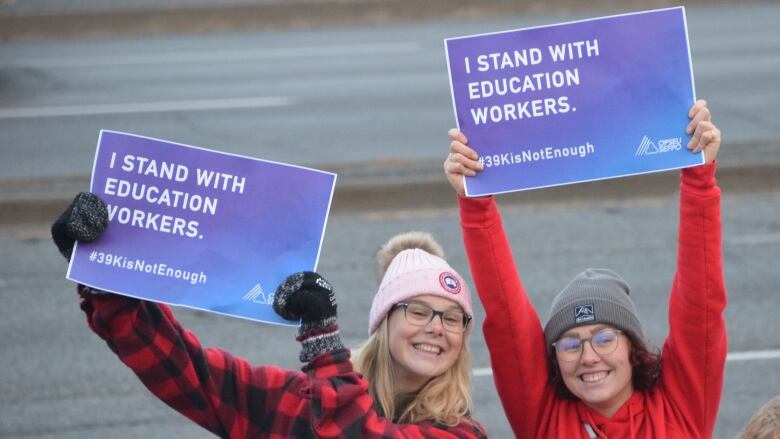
(222, 393)
(512, 328)
(694, 355)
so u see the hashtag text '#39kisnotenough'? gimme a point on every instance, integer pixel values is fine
(144, 267)
(548, 153)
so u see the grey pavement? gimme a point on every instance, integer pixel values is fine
(34, 19)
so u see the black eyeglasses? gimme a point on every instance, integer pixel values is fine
(603, 342)
(420, 314)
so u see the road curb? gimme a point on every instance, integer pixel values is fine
(165, 20)
(421, 187)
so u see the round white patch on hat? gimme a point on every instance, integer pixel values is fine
(449, 282)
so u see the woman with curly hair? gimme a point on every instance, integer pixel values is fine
(589, 372)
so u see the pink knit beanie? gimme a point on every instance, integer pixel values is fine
(416, 267)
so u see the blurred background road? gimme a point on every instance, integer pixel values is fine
(359, 88)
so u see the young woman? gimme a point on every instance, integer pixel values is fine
(415, 364)
(589, 372)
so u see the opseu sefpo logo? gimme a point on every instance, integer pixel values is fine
(257, 295)
(648, 147)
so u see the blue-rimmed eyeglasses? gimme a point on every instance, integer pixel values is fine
(603, 342)
(420, 314)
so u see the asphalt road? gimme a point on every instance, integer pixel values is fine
(324, 98)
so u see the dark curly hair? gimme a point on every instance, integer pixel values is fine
(645, 369)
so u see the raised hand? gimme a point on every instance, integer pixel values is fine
(309, 297)
(461, 161)
(706, 136)
(84, 220)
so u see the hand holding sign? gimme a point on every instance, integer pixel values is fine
(84, 220)
(309, 297)
(705, 135)
(463, 161)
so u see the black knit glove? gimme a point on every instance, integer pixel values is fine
(84, 220)
(309, 297)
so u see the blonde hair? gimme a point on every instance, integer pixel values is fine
(765, 423)
(445, 399)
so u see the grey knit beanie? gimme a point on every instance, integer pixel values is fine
(596, 295)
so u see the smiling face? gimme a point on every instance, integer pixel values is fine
(602, 382)
(420, 353)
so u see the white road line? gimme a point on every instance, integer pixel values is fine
(213, 56)
(145, 107)
(483, 372)
(766, 238)
(733, 356)
(753, 355)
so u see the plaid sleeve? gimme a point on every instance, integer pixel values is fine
(222, 393)
(341, 406)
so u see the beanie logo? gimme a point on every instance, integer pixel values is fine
(584, 313)
(449, 282)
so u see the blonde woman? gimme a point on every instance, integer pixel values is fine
(416, 371)
(415, 365)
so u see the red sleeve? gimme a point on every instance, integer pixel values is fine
(342, 407)
(694, 355)
(222, 393)
(512, 328)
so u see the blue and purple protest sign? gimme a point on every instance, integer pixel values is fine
(574, 102)
(200, 228)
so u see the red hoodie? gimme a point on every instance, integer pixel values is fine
(684, 402)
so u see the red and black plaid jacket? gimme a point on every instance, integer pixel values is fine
(234, 399)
